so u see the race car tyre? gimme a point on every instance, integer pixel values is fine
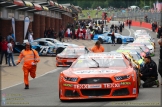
(59, 50)
(100, 39)
(119, 41)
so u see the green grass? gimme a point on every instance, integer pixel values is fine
(84, 15)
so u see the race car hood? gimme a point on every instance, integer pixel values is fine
(127, 37)
(150, 47)
(96, 72)
(70, 55)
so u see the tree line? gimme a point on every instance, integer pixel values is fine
(84, 4)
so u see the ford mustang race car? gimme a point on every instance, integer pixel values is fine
(42, 47)
(99, 75)
(70, 54)
(106, 38)
(134, 55)
(148, 44)
(144, 47)
(138, 49)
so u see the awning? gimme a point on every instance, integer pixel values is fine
(56, 4)
(51, 3)
(37, 6)
(19, 3)
(60, 6)
(29, 4)
(45, 8)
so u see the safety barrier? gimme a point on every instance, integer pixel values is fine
(141, 24)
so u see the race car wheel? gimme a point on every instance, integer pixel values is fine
(59, 50)
(100, 39)
(119, 41)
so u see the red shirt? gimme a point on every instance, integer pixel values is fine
(3, 46)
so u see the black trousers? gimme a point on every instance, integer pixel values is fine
(113, 40)
(2, 53)
(160, 67)
(148, 81)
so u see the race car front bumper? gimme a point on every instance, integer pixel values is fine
(69, 91)
(64, 62)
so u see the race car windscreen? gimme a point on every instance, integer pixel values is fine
(56, 41)
(101, 63)
(138, 50)
(136, 57)
(74, 50)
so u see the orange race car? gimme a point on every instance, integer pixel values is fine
(99, 75)
(70, 54)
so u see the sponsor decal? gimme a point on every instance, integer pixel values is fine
(68, 85)
(96, 71)
(94, 86)
(125, 83)
(112, 85)
(134, 90)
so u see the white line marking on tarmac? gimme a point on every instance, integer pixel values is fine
(52, 71)
(129, 32)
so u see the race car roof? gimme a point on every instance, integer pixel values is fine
(129, 47)
(102, 55)
(135, 44)
(125, 50)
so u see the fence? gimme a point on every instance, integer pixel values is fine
(139, 16)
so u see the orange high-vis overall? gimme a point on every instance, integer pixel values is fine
(28, 57)
(95, 49)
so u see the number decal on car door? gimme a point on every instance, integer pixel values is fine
(44, 49)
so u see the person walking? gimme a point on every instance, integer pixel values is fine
(31, 58)
(61, 34)
(113, 38)
(68, 34)
(120, 28)
(10, 53)
(3, 46)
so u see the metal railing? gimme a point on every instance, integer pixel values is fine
(139, 16)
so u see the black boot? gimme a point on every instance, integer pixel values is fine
(26, 87)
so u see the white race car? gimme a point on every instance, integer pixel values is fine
(56, 42)
(140, 32)
(148, 44)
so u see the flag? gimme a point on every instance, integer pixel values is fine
(26, 25)
(13, 28)
(154, 6)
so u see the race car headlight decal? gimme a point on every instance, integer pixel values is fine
(122, 77)
(59, 58)
(70, 79)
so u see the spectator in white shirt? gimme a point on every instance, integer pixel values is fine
(10, 52)
(69, 34)
(30, 36)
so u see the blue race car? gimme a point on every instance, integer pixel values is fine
(106, 38)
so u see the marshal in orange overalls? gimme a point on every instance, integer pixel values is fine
(30, 57)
